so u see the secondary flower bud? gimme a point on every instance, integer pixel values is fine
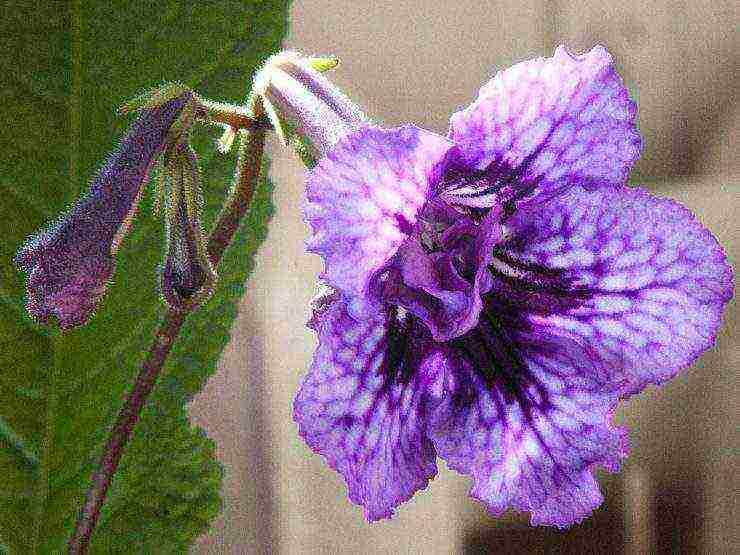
(187, 276)
(299, 99)
(69, 263)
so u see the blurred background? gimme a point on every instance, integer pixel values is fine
(419, 61)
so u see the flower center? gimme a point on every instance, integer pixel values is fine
(402, 354)
(490, 350)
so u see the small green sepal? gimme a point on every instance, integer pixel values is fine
(153, 97)
(323, 64)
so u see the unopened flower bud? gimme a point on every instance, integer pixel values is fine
(155, 97)
(188, 275)
(299, 99)
(70, 263)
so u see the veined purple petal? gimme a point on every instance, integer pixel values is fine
(529, 420)
(443, 288)
(324, 298)
(364, 197)
(362, 407)
(507, 290)
(633, 277)
(70, 263)
(544, 124)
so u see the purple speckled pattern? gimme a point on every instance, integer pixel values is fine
(634, 278)
(493, 298)
(70, 263)
(544, 124)
(528, 422)
(364, 195)
(357, 409)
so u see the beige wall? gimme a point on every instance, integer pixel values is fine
(418, 61)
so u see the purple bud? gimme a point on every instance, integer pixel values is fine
(69, 263)
(188, 276)
(294, 92)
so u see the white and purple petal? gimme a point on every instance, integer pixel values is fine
(443, 288)
(362, 404)
(544, 124)
(529, 421)
(633, 277)
(363, 199)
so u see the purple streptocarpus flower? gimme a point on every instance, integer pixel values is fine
(497, 292)
(70, 263)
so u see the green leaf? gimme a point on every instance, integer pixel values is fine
(72, 66)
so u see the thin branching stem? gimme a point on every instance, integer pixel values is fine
(228, 114)
(246, 174)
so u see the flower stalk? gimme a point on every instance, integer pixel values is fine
(229, 115)
(246, 174)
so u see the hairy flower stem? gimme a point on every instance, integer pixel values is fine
(247, 172)
(238, 120)
(233, 116)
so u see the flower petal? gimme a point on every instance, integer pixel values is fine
(68, 292)
(529, 424)
(444, 288)
(545, 124)
(362, 408)
(363, 199)
(633, 277)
